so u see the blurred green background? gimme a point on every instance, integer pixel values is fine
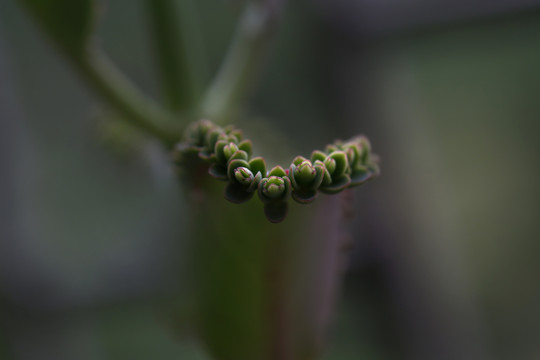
(446, 242)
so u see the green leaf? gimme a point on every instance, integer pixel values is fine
(277, 171)
(233, 164)
(288, 188)
(327, 178)
(258, 164)
(353, 154)
(229, 150)
(342, 164)
(330, 165)
(292, 169)
(212, 137)
(240, 154)
(218, 151)
(236, 133)
(319, 177)
(255, 183)
(247, 146)
(366, 149)
(243, 176)
(68, 22)
(317, 155)
(331, 148)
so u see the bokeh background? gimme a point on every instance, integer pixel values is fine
(446, 243)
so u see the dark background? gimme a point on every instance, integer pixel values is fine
(445, 262)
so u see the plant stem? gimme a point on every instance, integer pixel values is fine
(241, 64)
(176, 77)
(121, 93)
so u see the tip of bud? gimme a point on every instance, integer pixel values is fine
(243, 175)
(330, 164)
(274, 187)
(306, 169)
(230, 149)
(304, 173)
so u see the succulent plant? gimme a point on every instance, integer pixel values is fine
(362, 164)
(337, 175)
(242, 181)
(344, 164)
(274, 192)
(306, 178)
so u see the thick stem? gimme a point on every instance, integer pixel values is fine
(279, 331)
(170, 46)
(119, 92)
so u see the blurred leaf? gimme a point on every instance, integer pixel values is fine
(276, 211)
(68, 22)
(237, 194)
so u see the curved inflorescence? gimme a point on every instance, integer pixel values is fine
(344, 164)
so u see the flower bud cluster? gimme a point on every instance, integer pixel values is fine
(344, 164)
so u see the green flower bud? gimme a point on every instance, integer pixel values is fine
(337, 176)
(298, 160)
(221, 159)
(342, 164)
(211, 138)
(236, 133)
(330, 165)
(255, 182)
(305, 172)
(233, 165)
(196, 133)
(240, 154)
(243, 175)
(306, 179)
(274, 188)
(364, 149)
(242, 182)
(353, 154)
(332, 148)
(205, 125)
(274, 192)
(230, 149)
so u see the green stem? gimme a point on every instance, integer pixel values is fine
(176, 77)
(122, 94)
(248, 47)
